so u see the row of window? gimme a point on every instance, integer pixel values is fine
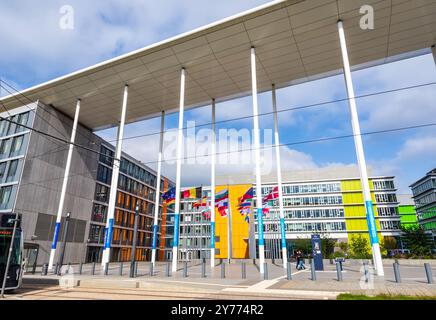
(424, 186)
(314, 213)
(387, 211)
(306, 188)
(385, 197)
(127, 219)
(390, 225)
(383, 184)
(120, 236)
(7, 128)
(127, 167)
(429, 198)
(187, 230)
(306, 227)
(135, 187)
(310, 201)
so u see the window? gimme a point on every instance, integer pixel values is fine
(4, 126)
(101, 193)
(17, 144)
(22, 119)
(5, 146)
(104, 174)
(12, 171)
(99, 212)
(2, 170)
(5, 195)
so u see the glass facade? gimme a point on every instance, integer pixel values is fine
(14, 139)
(136, 187)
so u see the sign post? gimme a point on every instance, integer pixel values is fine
(317, 252)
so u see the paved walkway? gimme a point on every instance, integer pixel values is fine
(213, 286)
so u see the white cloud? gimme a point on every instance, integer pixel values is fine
(38, 49)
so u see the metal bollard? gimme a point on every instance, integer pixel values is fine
(244, 270)
(185, 269)
(151, 269)
(428, 273)
(265, 271)
(106, 268)
(136, 268)
(93, 269)
(288, 270)
(81, 268)
(339, 271)
(223, 270)
(121, 268)
(312, 270)
(397, 272)
(56, 271)
(366, 271)
(203, 269)
(34, 268)
(167, 270)
(44, 269)
(68, 268)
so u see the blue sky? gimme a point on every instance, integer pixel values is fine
(38, 50)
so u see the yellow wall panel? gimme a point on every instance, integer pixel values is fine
(240, 228)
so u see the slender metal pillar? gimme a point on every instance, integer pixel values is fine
(257, 160)
(279, 177)
(114, 182)
(212, 190)
(378, 264)
(229, 233)
(64, 187)
(433, 50)
(134, 240)
(64, 241)
(157, 199)
(178, 170)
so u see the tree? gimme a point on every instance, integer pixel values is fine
(344, 247)
(359, 247)
(416, 240)
(327, 245)
(387, 244)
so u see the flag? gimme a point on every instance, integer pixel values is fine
(169, 197)
(274, 194)
(192, 193)
(200, 203)
(222, 202)
(206, 213)
(221, 195)
(244, 205)
(247, 195)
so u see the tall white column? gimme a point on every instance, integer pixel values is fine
(114, 181)
(157, 199)
(178, 170)
(279, 177)
(378, 264)
(257, 160)
(212, 190)
(64, 186)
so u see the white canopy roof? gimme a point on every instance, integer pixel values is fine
(295, 40)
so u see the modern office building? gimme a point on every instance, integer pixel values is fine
(424, 195)
(325, 201)
(32, 167)
(406, 209)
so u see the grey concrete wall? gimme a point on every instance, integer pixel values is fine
(41, 183)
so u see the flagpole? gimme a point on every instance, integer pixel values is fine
(212, 191)
(279, 177)
(256, 134)
(229, 228)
